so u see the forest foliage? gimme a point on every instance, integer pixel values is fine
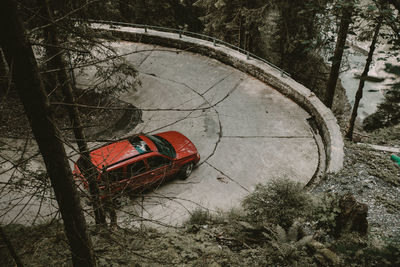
(235, 238)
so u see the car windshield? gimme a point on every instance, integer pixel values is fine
(140, 145)
(163, 146)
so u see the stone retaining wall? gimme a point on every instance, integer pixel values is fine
(324, 117)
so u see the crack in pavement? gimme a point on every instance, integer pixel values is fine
(181, 119)
(227, 176)
(172, 123)
(146, 57)
(213, 106)
(148, 121)
(218, 82)
(210, 105)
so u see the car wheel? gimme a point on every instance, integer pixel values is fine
(186, 170)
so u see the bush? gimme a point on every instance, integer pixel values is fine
(325, 211)
(279, 202)
(199, 217)
(377, 120)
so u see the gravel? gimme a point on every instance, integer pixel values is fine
(374, 180)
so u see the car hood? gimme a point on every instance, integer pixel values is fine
(182, 145)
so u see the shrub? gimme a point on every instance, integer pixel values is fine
(325, 211)
(199, 217)
(279, 202)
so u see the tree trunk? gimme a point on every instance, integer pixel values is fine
(10, 248)
(109, 200)
(359, 93)
(57, 62)
(345, 21)
(3, 65)
(37, 108)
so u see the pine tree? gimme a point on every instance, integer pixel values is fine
(364, 74)
(30, 89)
(388, 111)
(347, 8)
(62, 80)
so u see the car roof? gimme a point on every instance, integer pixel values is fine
(120, 151)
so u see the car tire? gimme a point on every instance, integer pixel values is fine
(186, 171)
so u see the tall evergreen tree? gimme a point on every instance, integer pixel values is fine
(364, 74)
(388, 111)
(236, 21)
(30, 88)
(289, 34)
(347, 8)
(56, 62)
(280, 31)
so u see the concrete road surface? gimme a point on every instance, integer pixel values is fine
(246, 132)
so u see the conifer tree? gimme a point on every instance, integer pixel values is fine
(364, 74)
(347, 8)
(30, 89)
(62, 80)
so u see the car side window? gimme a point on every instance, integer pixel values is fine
(116, 175)
(136, 168)
(157, 162)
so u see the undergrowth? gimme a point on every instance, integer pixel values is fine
(280, 224)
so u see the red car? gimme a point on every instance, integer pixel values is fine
(142, 160)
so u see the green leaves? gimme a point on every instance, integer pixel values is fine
(393, 69)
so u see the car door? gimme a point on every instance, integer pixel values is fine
(136, 173)
(159, 168)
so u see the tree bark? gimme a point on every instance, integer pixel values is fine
(3, 65)
(37, 108)
(347, 11)
(109, 200)
(359, 93)
(57, 61)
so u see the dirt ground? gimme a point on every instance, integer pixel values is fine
(102, 121)
(373, 179)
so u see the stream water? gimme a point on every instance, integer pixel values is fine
(372, 93)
